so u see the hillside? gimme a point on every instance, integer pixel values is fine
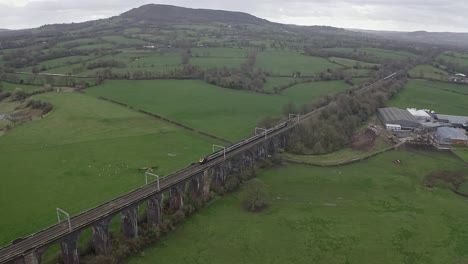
(175, 14)
(438, 38)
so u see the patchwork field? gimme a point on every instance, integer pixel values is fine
(352, 63)
(85, 152)
(13, 86)
(455, 58)
(375, 54)
(230, 114)
(287, 62)
(331, 215)
(441, 97)
(428, 71)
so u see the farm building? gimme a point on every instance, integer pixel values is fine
(456, 121)
(451, 136)
(396, 116)
(419, 114)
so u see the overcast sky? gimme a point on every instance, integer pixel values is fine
(401, 15)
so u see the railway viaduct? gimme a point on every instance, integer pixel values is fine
(193, 184)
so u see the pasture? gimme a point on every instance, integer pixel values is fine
(287, 62)
(331, 215)
(429, 72)
(227, 113)
(461, 60)
(272, 82)
(13, 86)
(374, 54)
(445, 98)
(85, 152)
(123, 40)
(352, 63)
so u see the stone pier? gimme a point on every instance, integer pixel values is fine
(176, 201)
(69, 249)
(101, 237)
(196, 188)
(129, 222)
(154, 211)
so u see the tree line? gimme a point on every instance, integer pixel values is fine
(334, 127)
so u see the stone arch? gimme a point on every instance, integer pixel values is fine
(271, 147)
(219, 176)
(247, 159)
(283, 141)
(154, 210)
(176, 199)
(260, 152)
(195, 190)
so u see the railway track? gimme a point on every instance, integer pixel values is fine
(88, 218)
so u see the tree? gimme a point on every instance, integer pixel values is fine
(255, 195)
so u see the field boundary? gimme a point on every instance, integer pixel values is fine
(166, 119)
(345, 162)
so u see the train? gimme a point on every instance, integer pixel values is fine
(219, 153)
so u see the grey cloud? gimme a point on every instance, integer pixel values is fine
(431, 15)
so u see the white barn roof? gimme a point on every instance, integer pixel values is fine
(418, 113)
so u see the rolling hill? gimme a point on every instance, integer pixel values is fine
(174, 14)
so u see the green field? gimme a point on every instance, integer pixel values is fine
(217, 62)
(341, 156)
(79, 42)
(375, 54)
(462, 61)
(462, 152)
(432, 95)
(231, 114)
(85, 152)
(123, 40)
(428, 71)
(13, 86)
(219, 52)
(272, 82)
(287, 62)
(352, 63)
(94, 47)
(331, 215)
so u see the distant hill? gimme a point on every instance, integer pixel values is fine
(174, 14)
(445, 38)
(3, 29)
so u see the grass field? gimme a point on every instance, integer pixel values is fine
(123, 40)
(428, 71)
(461, 60)
(371, 212)
(340, 156)
(85, 152)
(227, 113)
(272, 82)
(375, 54)
(432, 95)
(94, 47)
(217, 62)
(13, 86)
(351, 63)
(286, 62)
(462, 152)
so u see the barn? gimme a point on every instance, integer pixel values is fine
(451, 136)
(396, 116)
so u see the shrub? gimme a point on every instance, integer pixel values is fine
(178, 217)
(255, 196)
(232, 183)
